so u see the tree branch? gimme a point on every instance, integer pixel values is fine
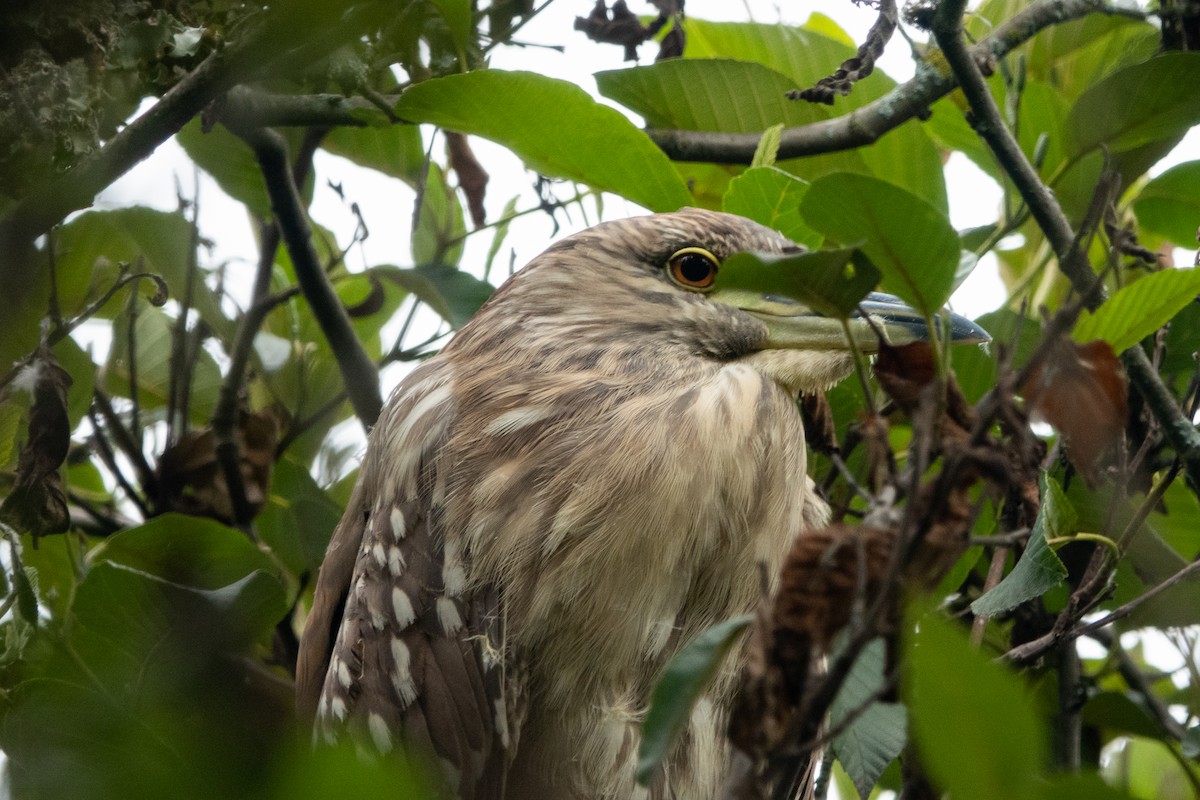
(1073, 263)
(867, 124)
(358, 372)
(275, 41)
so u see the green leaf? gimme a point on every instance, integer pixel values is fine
(830, 282)
(27, 602)
(1082, 786)
(771, 197)
(1147, 768)
(82, 369)
(802, 54)
(910, 241)
(341, 771)
(708, 95)
(190, 551)
(1039, 568)
(967, 710)
(879, 733)
(1116, 712)
(298, 519)
(457, 14)
(153, 333)
(768, 147)
(396, 150)
(1169, 204)
(1151, 101)
(55, 560)
(530, 113)
(127, 614)
(1139, 309)
(455, 295)
(229, 161)
(1177, 520)
(687, 675)
(159, 238)
(440, 231)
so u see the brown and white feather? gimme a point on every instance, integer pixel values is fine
(589, 475)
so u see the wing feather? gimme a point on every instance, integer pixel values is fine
(389, 656)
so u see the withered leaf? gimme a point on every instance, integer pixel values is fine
(190, 475)
(38, 502)
(1082, 391)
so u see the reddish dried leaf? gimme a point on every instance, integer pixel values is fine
(1082, 391)
(472, 177)
(904, 371)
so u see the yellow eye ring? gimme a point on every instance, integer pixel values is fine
(693, 268)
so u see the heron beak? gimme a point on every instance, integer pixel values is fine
(793, 325)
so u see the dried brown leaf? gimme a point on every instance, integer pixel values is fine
(1082, 391)
(38, 502)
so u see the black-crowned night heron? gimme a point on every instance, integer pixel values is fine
(586, 477)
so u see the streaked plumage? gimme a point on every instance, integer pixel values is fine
(586, 477)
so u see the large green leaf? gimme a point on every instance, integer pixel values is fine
(152, 335)
(1169, 205)
(160, 239)
(455, 295)
(831, 282)
(298, 519)
(708, 95)
(910, 241)
(905, 156)
(1140, 308)
(532, 115)
(1148, 102)
(396, 150)
(878, 734)
(125, 615)
(1039, 568)
(685, 679)
(954, 694)
(771, 197)
(802, 54)
(190, 551)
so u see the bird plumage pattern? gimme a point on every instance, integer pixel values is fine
(601, 464)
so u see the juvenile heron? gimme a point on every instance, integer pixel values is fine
(586, 477)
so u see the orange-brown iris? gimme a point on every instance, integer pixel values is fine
(693, 267)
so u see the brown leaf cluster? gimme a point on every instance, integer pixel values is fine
(38, 502)
(192, 482)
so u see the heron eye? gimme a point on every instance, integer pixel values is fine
(693, 267)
